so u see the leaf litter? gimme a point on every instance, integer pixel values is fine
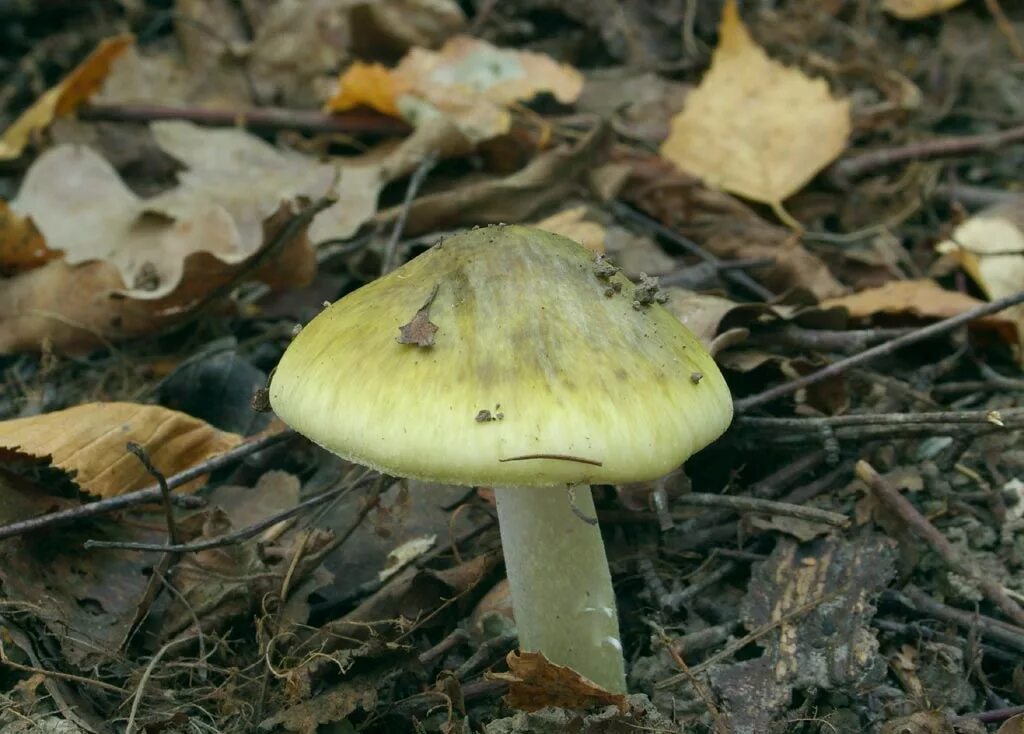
(173, 207)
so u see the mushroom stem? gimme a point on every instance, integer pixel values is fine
(561, 587)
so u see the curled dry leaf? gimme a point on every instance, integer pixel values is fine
(535, 682)
(914, 9)
(88, 442)
(469, 82)
(133, 265)
(64, 98)
(990, 247)
(753, 126)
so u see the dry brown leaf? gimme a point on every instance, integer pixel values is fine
(753, 126)
(80, 307)
(88, 441)
(921, 298)
(572, 223)
(990, 247)
(469, 82)
(134, 265)
(21, 245)
(726, 227)
(914, 9)
(64, 98)
(535, 682)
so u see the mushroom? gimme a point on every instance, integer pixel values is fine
(513, 358)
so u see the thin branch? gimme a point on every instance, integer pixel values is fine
(736, 276)
(762, 507)
(1006, 635)
(415, 182)
(923, 529)
(235, 536)
(147, 495)
(825, 340)
(858, 165)
(165, 492)
(886, 348)
(257, 118)
(813, 425)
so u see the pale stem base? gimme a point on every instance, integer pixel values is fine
(561, 587)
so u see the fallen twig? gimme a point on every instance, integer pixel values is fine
(858, 165)
(149, 494)
(761, 506)
(165, 492)
(836, 368)
(923, 529)
(914, 598)
(825, 340)
(998, 418)
(736, 276)
(415, 182)
(259, 118)
(234, 536)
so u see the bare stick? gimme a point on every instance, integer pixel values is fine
(165, 491)
(232, 537)
(764, 507)
(836, 368)
(858, 165)
(923, 529)
(1006, 635)
(149, 494)
(813, 425)
(415, 182)
(736, 276)
(265, 118)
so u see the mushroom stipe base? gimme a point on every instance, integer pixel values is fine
(561, 587)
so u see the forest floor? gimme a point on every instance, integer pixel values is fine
(831, 197)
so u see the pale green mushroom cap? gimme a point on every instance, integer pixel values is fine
(589, 387)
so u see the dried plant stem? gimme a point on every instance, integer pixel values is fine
(149, 494)
(765, 507)
(858, 165)
(736, 276)
(235, 536)
(258, 118)
(886, 348)
(998, 631)
(923, 529)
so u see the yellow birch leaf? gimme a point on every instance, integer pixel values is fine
(753, 126)
(88, 441)
(64, 98)
(914, 9)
